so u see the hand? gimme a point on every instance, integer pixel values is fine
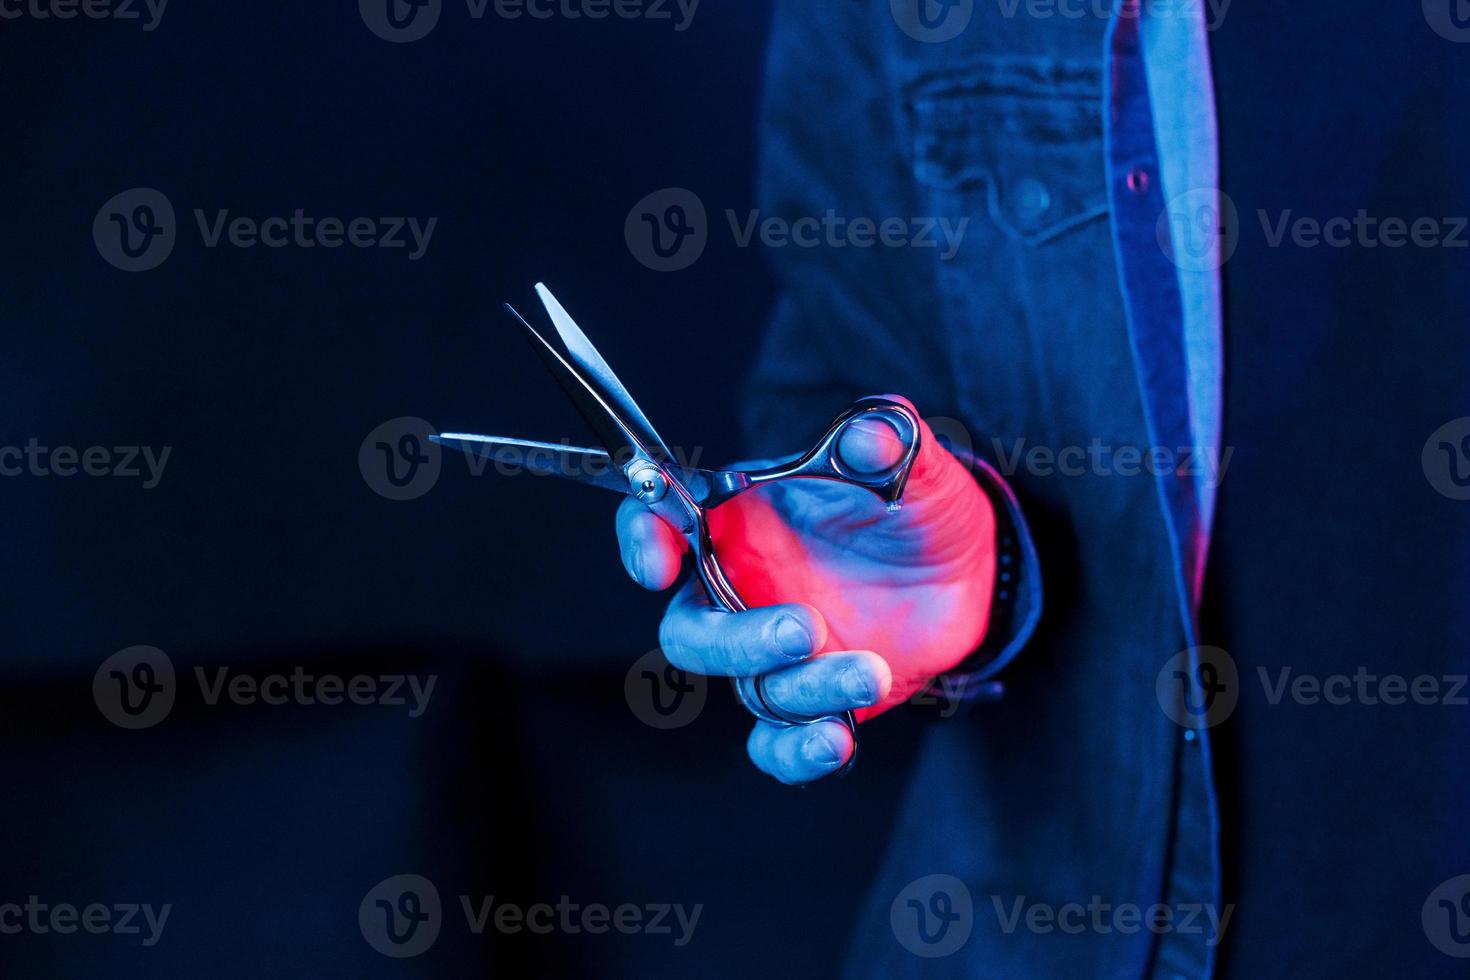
(852, 607)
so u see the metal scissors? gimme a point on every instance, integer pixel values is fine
(636, 461)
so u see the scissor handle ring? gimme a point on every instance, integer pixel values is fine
(887, 483)
(824, 460)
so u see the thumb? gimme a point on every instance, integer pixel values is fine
(871, 445)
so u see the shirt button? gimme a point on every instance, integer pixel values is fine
(1030, 199)
(1189, 735)
(1138, 180)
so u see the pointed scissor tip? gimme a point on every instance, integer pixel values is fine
(515, 314)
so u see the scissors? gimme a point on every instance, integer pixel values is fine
(636, 461)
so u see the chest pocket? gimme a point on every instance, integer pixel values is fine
(1025, 132)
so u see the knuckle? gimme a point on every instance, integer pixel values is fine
(788, 756)
(672, 643)
(733, 645)
(762, 747)
(807, 687)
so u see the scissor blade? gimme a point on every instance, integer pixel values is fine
(591, 466)
(597, 373)
(612, 431)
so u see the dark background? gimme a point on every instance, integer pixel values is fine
(264, 549)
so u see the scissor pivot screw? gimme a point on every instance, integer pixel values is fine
(648, 483)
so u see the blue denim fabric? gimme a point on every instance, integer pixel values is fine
(1056, 324)
(1066, 788)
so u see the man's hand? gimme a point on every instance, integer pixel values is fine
(852, 607)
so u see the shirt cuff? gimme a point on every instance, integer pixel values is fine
(1015, 606)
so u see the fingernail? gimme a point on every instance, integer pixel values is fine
(870, 445)
(793, 639)
(857, 686)
(820, 750)
(635, 565)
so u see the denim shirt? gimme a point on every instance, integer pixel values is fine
(1052, 340)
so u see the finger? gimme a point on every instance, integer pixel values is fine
(696, 636)
(936, 473)
(829, 684)
(870, 445)
(652, 551)
(801, 754)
